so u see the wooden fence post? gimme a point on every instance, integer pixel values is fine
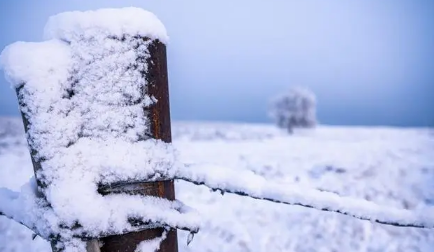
(159, 119)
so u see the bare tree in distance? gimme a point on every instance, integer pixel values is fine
(295, 108)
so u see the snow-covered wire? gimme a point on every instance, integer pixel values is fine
(14, 205)
(246, 183)
(16, 212)
(150, 212)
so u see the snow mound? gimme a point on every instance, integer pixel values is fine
(108, 22)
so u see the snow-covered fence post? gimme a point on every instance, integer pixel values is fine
(95, 104)
(158, 115)
(159, 119)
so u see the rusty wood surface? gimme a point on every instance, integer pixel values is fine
(33, 152)
(159, 118)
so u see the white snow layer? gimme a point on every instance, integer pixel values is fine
(83, 93)
(109, 22)
(389, 166)
(392, 167)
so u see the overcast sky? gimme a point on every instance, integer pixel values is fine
(370, 62)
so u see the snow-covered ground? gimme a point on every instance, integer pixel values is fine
(389, 166)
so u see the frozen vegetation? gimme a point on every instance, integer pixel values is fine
(389, 166)
(295, 108)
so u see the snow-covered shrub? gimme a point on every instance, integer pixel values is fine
(294, 109)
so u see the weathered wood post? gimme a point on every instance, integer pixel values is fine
(158, 115)
(159, 118)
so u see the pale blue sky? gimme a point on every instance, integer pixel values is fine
(370, 62)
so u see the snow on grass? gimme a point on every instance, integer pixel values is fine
(389, 166)
(83, 93)
(392, 167)
(247, 183)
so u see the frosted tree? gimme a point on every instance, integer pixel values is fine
(294, 109)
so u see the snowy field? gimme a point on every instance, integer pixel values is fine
(390, 166)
